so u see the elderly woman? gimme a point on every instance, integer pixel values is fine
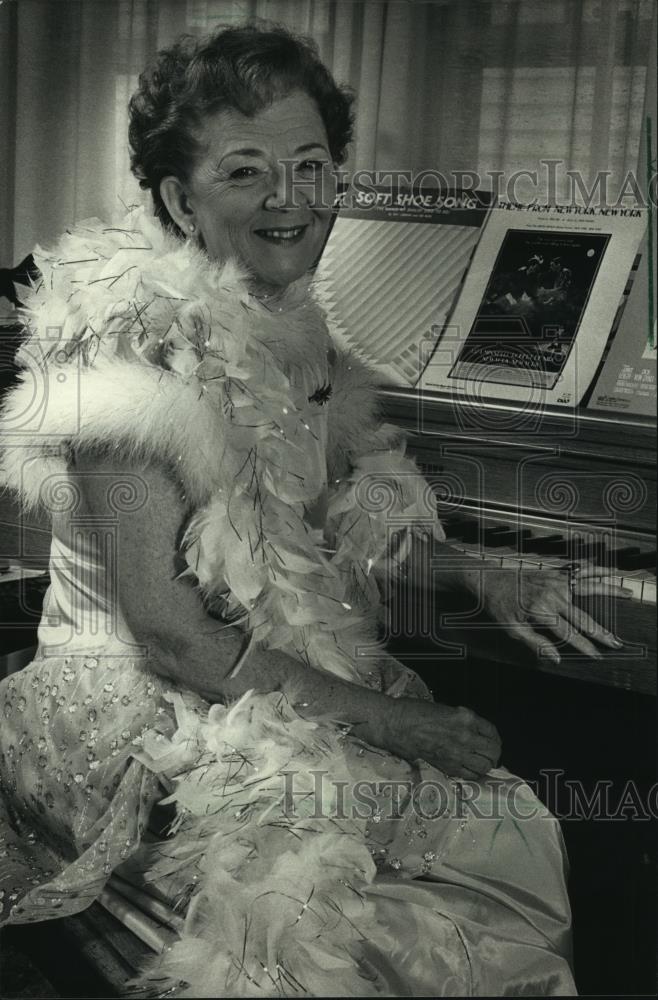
(221, 495)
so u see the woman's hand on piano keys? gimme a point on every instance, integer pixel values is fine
(537, 607)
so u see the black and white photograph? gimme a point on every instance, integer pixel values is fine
(328, 499)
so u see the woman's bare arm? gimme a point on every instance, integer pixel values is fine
(166, 615)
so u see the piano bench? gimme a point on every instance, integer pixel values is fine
(88, 955)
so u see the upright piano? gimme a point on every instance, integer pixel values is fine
(538, 489)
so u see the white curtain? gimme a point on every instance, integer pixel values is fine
(453, 85)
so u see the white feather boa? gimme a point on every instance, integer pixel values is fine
(142, 347)
(277, 868)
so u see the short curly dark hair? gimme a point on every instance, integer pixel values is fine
(239, 68)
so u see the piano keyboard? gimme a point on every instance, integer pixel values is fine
(536, 543)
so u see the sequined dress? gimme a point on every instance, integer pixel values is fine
(473, 905)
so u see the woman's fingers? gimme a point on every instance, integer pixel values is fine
(581, 622)
(568, 628)
(456, 740)
(584, 623)
(477, 733)
(565, 631)
(593, 579)
(588, 586)
(533, 640)
(587, 570)
(479, 762)
(481, 759)
(483, 753)
(467, 772)
(487, 729)
(556, 607)
(580, 573)
(488, 747)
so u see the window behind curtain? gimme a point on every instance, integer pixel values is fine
(452, 85)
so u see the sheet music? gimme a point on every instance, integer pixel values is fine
(627, 380)
(538, 303)
(390, 274)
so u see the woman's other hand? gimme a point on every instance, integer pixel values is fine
(455, 740)
(537, 607)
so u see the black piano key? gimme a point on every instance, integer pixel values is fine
(601, 551)
(630, 559)
(520, 538)
(471, 532)
(580, 549)
(496, 537)
(622, 558)
(593, 549)
(546, 544)
(646, 560)
(455, 527)
(502, 536)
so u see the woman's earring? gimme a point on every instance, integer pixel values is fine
(192, 227)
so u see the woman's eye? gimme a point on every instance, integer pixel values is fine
(311, 167)
(243, 173)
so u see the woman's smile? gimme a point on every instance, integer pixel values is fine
(282, 236)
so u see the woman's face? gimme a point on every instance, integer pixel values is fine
(263, 189)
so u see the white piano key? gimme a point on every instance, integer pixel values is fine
(503, 557)
(554, 562)
(14, 573)
(641, 582)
